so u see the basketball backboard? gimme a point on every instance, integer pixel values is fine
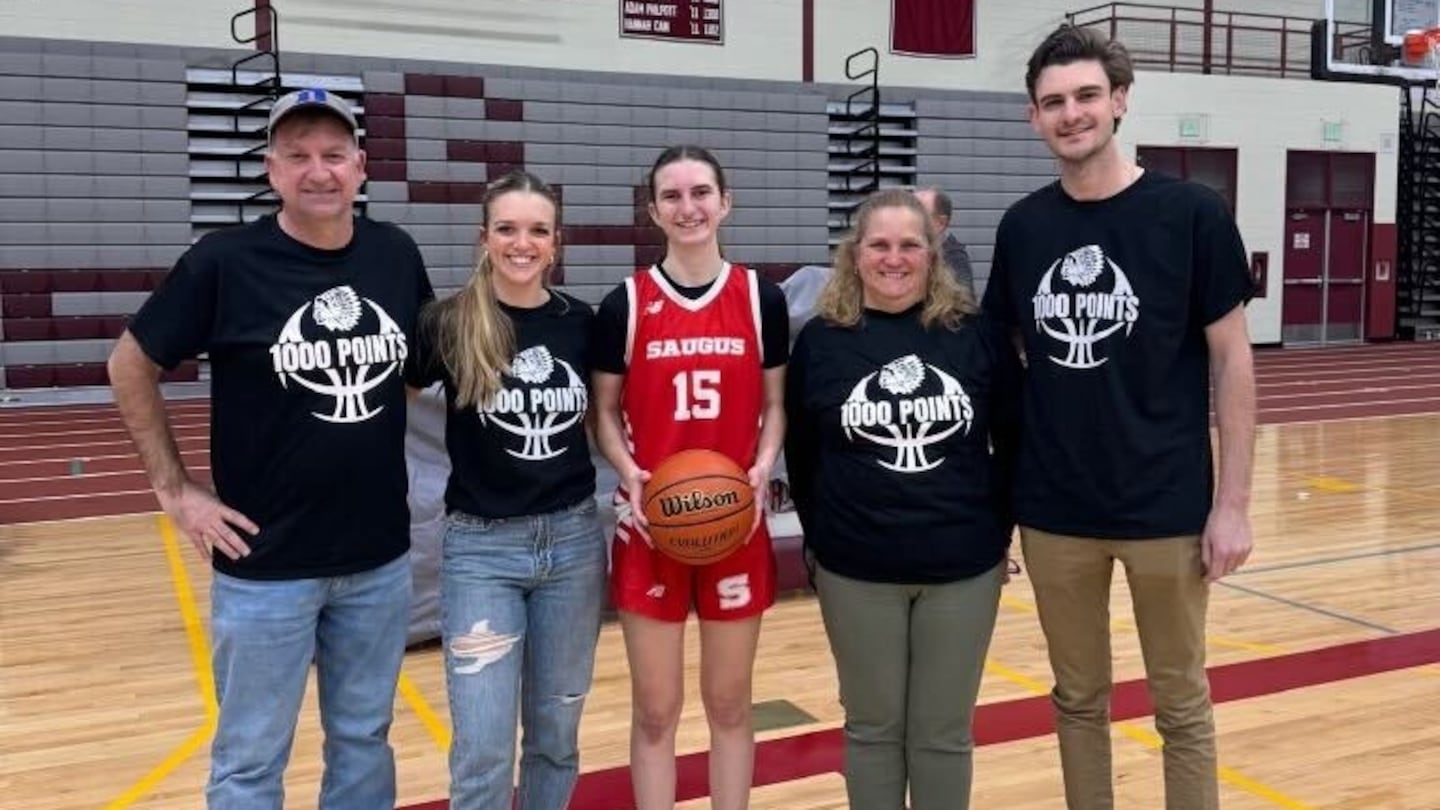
(1408, 15)
(1359, 41)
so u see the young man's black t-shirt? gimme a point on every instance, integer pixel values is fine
(888, 446)
(525, 451)
(1112, 298)
(307, 349)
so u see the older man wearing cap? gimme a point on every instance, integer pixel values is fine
(306, 316)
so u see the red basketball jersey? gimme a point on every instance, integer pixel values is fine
(694, 373)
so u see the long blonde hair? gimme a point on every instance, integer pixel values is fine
(474, 337)
(842, 301)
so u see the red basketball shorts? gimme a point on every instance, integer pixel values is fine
(646, 582)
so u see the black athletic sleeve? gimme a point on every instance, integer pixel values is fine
(998, 302)
(608, 333)
(1222, 271)
(802, 438)
(177, 321)
(775, 325)
(1005, 399)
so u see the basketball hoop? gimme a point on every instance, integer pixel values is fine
(1422, 47)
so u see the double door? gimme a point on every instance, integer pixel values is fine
(1325, 250)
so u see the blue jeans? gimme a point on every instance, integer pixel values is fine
(265, 634)
(520, 603)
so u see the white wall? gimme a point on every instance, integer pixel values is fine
(1263, 119)
(1005, 33)
(761, 37)
(202, 23)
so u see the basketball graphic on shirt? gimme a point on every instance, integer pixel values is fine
(340, 346)
(907, 407)
(1084, 300)
(543, 397)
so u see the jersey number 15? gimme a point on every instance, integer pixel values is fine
(697, 395)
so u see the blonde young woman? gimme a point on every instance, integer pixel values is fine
(523, 571)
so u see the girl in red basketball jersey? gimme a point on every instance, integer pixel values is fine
(690, 353)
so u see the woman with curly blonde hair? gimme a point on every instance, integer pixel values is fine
(895, 395)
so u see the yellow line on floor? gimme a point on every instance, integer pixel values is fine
(199, 657)
(1326, 483)
(1329, 483)
(439, 732)
(1151, 740)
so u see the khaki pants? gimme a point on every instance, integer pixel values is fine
(1071, 578)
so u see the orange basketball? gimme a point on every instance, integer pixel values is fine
(699, 505)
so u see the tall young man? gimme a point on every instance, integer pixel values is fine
(307, 317)
(1127, 291)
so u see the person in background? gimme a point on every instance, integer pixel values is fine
(938, 209)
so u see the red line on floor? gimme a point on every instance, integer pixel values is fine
(85, 484)
(814, 753)
(1356, 386)
(25, 414)
(61, 467)
(1291, 414)
(109, 504)
(41, 438)
(1399, 393)
(86, 449)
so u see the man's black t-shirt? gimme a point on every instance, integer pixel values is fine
(888, 446)
(1112, 298)
(307, 348)
(525, 451)
(612, 322)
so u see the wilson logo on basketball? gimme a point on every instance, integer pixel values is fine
(695, 501)
(699, 506)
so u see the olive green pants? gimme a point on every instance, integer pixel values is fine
(909, 659)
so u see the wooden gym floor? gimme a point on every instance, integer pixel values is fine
(1324, 651)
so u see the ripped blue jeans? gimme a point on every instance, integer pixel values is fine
(520, 612)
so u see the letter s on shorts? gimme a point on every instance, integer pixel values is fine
(734, 592)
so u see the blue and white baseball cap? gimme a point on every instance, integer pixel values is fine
(311, 97)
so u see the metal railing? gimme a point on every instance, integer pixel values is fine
(266, 38)
(1190, 40)
(1418, 215)
(863, 107)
